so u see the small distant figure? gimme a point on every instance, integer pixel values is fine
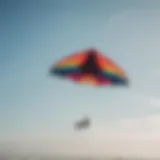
(83, 123)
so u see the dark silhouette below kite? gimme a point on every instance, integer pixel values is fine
(83, 123)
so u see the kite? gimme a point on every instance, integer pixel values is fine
(90, 66)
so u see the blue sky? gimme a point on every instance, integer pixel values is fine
(35, 34)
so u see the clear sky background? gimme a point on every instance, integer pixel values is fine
(37, 111)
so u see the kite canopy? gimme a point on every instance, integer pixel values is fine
(90, 67)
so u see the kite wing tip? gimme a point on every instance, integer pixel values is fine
(52, 71)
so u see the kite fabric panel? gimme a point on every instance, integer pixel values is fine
(90, 67)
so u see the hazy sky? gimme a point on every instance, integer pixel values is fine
(37, 111)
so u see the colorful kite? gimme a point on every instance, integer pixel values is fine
(90, 67)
